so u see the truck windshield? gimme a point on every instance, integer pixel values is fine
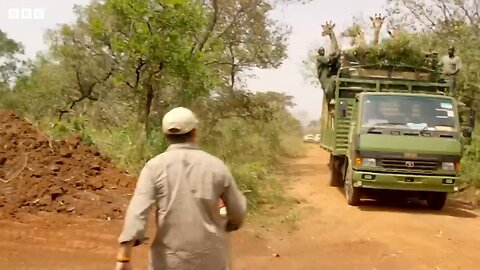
(412, 112)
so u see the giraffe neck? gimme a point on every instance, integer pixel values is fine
(376, 36)
(361, 40)
(334, 42)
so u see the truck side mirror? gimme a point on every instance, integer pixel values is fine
(467, 132)
(467, 136)
(471, 118)
(467, 115)
(343, 109)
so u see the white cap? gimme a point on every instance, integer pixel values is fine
(179, 120)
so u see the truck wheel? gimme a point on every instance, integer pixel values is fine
(336, 175)
(436, 200)
(353, 194)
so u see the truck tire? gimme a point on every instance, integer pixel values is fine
(352, 194)
(336, 174)
(436, 200)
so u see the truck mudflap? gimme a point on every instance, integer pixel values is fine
(408, 182)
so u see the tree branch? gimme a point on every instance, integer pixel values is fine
(233, 68)
(211, 26)
(138, 69)
(240, 11)
(467, 14)
(415, 12)
(217, 62)
(477, 9)
(447, 15)
(84, 94)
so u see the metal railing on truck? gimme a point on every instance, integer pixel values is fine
(388, 78)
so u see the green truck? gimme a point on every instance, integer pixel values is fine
(395, 128)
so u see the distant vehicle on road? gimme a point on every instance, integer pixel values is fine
(317, 138)
(309, 138)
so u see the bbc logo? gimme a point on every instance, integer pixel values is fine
(26, 14)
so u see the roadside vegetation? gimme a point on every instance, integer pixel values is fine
(313, 127)
(112, 75)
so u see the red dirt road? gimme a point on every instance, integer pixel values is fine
(329, 235)
(333, 235)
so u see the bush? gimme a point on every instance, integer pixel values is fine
(398, 51)
(114, 89)
(251, 154)
(471, 159)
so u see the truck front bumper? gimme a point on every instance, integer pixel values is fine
(410, 182)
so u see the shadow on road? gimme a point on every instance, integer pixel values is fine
(415, 207)
(401, 204)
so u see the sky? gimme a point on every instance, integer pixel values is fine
(27, 20)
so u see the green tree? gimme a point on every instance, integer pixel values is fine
(314, 124)
(112, 74)
(10, 60)
(438, 24)
(142, 48)
(160, 53)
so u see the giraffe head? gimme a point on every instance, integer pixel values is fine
(355, 33)
(328, 28)
(394, 32)
(377, 21)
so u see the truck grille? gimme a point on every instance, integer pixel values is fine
(405, 164)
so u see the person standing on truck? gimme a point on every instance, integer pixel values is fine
(451, 65)
(326, 68)
(185, 185)
(431, 58)
(322, 66)
(333, 63)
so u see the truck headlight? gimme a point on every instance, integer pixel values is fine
(448, 166)
(369, 162)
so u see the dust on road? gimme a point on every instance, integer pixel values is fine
(329, 235)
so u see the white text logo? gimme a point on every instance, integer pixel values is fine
(26, 13)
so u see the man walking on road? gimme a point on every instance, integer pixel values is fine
(185, 184)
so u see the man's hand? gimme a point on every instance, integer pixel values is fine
(123, 266)
(229, 227)
(223, 209)
(124, 256)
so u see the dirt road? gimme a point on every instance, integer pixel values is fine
(332, 235)
(328, 234)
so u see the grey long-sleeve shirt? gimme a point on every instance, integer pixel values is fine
(185, 184)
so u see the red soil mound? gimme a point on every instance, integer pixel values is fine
(37, 174)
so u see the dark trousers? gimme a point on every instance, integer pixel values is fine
(452, 82)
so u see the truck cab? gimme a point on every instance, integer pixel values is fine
(405, 142)
(394, 130)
